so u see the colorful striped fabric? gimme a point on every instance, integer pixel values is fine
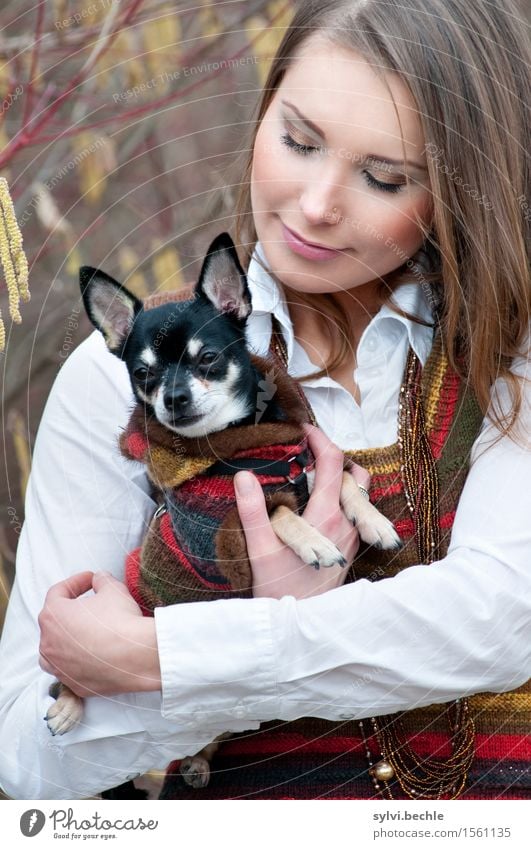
(180, 558)
(316, 759)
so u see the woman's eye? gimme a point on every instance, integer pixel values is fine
(385, 187)
(285, 138)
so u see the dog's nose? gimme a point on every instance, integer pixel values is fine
(177, 401)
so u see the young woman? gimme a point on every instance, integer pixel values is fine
(397, 142)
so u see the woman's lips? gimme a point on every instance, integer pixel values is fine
(298, 246)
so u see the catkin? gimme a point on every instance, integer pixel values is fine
(14, 261)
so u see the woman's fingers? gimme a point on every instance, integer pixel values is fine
(329, 461)
(71, 587)
(360, 475)
(324, 500)
(259, 535)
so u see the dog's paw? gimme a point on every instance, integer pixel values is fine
(64, 713)
(316, 550)
(376, 530)
(195, 771)
(306, 541)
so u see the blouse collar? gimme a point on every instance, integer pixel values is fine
(382, 332)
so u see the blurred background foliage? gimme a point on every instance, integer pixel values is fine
(118, 121)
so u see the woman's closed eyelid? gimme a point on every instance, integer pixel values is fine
(292, 134)
(294, 131)
(305, 149)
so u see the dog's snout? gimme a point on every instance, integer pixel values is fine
(177, 400)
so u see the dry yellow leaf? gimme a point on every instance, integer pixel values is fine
(162, 38)
(4, 138)
(115, 60)
(96, 12)
(166, 265)
(5, 590)
(265, 41)
(22, 452)
(73, 260)
(285, 11)
(94, 158)
(61, 18)
(47, 210)
(135, 280)
(4, 79)
(132, 68)
(209, 22)
(266, 37)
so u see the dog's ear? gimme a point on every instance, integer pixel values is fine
(222, 280)
(111, 308)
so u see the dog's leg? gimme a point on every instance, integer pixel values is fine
(66, 711)
(196, 770)
(305, 540)
(373, 528)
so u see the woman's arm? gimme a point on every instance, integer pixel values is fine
(86, 508)
(431, 634)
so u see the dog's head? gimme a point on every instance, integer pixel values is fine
(188, 361)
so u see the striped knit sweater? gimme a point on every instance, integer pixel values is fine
(194, 549)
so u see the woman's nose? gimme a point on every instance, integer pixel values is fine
(319, 199)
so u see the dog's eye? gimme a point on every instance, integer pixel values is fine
(142, 373)
(207, 358)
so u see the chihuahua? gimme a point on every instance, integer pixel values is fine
(193, 374)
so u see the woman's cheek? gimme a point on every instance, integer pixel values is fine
(398, 232)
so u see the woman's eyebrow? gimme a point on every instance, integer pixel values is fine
(369, 156)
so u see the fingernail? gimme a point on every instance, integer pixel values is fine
(244, 482)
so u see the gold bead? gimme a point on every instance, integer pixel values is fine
(383, 771)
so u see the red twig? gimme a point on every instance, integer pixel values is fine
(25, 137)
(146, 108)
(34, 60)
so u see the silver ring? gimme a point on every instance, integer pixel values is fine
(364, 492)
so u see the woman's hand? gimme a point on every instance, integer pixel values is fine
(99, 644)
(277, 570)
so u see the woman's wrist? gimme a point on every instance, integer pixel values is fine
(142, 657)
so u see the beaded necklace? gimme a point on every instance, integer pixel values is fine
(425, 778)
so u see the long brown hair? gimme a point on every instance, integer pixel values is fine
(467, 67)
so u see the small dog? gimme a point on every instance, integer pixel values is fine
(200, 389)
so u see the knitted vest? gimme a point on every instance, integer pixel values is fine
(313, 758)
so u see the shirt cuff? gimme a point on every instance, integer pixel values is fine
(217, 661)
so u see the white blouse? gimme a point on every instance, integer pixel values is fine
(428, 635)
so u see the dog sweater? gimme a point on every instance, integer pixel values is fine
(194, 548)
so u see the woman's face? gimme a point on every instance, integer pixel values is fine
(374, 229)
